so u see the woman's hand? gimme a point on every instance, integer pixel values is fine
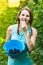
(24, 26)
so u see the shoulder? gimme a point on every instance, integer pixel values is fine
(11, 28)
(34, 31)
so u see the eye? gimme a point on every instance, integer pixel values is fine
(22, 14)
(27, 15)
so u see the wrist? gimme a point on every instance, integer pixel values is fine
(27, 33)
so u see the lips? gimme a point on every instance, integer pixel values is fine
(23, 19)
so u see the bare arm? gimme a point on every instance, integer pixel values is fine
(31, 41)
(9, 31)
(8, 34)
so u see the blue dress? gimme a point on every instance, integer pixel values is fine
(21, 59)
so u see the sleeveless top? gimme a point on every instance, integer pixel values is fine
(21, 59)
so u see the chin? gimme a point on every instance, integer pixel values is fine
(27, 22)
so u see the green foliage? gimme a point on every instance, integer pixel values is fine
(1, 41)
(3, 56)
(9, 17)
(6, 19)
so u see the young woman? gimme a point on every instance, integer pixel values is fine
(24, 32)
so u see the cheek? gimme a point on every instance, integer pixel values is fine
(21, 18)
(28, 18)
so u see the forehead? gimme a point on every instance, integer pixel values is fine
(25, 12)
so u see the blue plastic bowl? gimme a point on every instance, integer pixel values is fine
(13, 44)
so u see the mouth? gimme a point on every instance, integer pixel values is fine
(23, 19)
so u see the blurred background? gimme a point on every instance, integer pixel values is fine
(8, 16)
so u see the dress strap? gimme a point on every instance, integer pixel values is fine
(30, 31)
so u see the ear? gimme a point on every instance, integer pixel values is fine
(30, 20)
(19, 17)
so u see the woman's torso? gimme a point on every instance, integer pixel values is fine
(23, 58)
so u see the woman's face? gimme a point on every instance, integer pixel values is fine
(24, 16)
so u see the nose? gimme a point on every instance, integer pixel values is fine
(24, 17)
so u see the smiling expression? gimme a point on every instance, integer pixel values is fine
(24, 16)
